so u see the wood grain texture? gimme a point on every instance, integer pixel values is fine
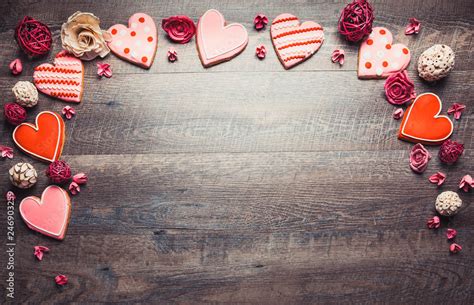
(245, 183)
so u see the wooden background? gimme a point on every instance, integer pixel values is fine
(246, 183)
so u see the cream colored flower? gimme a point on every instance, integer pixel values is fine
(81, 35)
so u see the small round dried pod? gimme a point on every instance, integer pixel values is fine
(436, 62)
(26, 94)
(23, 175)
(448, 203)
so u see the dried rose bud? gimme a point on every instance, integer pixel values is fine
(434, 222)
(61, 280)
(80, 178)
(455, 248)
(451, 233)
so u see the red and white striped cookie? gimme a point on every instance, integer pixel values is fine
(63, 80)
(295, 42)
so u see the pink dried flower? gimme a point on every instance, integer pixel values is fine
(261, 51)
(466, 183)
(61, 280)
(413, 27)
(16, 66)
(179, 28)
(103, 69)
(398, 113)
(6, 152)
(172, 55)
(39, 251)
(74, 188)
(10, 196)
(434, 222)
(419, 158)
(450, 151)
(80, 178)
(260, 21)
(457, 109)
(399, 88)
(455, 248)
(438, 178)
(451, 233)
(338, 56)
(69, 112)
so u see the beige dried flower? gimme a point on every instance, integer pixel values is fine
(82, 36)
(448, 203)
(26, 94)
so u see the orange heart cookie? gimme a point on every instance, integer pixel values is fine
(45, 139)
(422, 122)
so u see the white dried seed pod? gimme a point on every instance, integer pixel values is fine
(448, 203)
(26, 94)
(23, 175)
(436, 62)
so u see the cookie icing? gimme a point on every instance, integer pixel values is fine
(63, 80)
(136, 43)
(378, 57)
(295, 42)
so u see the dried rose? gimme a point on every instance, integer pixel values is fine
(434, 222)
(16, 67)
(438, 178)
(450, 151)
(179, 28)
(338, 56)
(399, 88)
(261, 51)
(466, 183)
(419, 158)
(39, 250)
(260, 21)
(455, 248)
(61, 280)
(82, 36)
(413, 27)
(451, 233)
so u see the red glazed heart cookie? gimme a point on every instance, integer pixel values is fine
(422, 122)
(48, 215)
(138, 42)
(218, 42)
(45, 139)
(63, 80)
(295, 42)
(378, 57)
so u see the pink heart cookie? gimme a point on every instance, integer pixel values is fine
(295, 42)
(48, 215)
(138, 42)
(218, 42)
(378, 57)
(63, 80)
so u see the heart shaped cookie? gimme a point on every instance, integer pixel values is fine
(218, 42)
(422, 122)
(378, 57)
(45, 139)
(63, 80)
(137, 43)
(295, 42)
(48, 215)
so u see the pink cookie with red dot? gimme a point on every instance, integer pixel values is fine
(378, 57)
(136, 43)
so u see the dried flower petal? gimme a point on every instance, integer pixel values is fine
(413, 27)
(16, 66)
(103, 69)
(261, 51)
(69, 112)
(338, 56)
(10, 196)
(6, 152)
(39, 250)
(61, 280)
(74, 188)
(438, 178)
(466, 183)
(80, 178)
(172, 55)
(451, 233)
(398, 113)
(434, 222)
(455, 248)
(457, 109)
(260, 21)
(419, 158)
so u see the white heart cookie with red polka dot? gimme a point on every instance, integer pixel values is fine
(378, 57)
(138, 42)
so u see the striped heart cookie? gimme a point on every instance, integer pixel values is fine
(136, 43)
(295, 42)
(63, 80)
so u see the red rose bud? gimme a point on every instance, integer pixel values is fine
(179, 28)
(450, 151)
